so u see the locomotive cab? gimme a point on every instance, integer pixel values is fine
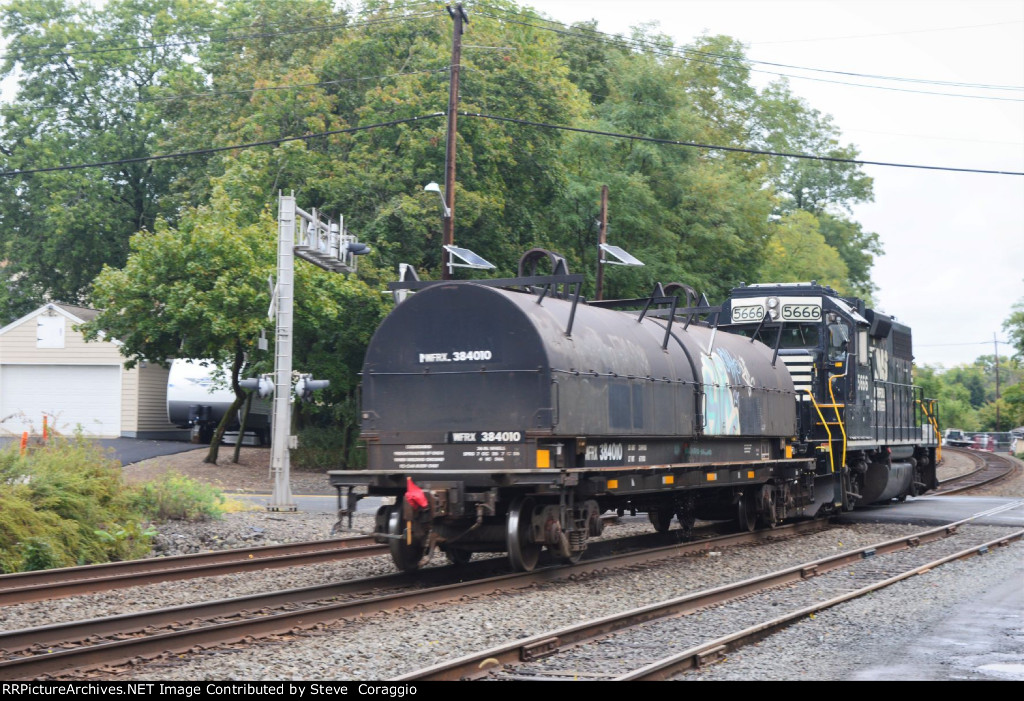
(871, 430)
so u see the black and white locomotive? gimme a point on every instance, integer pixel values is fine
(509, 415)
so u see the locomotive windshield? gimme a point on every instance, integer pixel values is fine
(793, 335)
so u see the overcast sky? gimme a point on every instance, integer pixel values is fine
(954, 242)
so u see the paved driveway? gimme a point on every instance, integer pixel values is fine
(132, 450)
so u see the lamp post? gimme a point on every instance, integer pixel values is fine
(448, 229)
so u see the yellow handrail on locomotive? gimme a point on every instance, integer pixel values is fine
(836, 406)
(934, 424)
(831, 457)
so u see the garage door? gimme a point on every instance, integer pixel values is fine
(70, 395)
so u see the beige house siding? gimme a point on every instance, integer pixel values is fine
(129, 401)
(18, 345)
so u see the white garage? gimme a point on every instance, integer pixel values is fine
(70, 396)
(47, 369)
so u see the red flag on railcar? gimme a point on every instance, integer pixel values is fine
(414, 495)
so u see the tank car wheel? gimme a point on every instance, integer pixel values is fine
(746, 512)
(406, 557)
(687, 518)
(458, 556)
(661, 519)
(522, 553)
(767, 515)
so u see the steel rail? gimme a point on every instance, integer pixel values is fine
(483, 663)
(40, 585)
(991, 468)
(85, 654)
(26, 587)
(694, 657)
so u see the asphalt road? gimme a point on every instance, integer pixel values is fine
(131, 450)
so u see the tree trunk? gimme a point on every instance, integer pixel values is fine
(236, 369)
(241, 428)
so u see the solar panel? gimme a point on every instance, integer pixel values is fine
(470, 259)
(623, 257)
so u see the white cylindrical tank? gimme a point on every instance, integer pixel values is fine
(199, 392)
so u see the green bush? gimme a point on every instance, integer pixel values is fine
(320, 448)
(64, 504)
(178, 497)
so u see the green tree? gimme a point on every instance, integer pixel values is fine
(84, 80)
(955, 410)
(195, 291)
(797, 251)
(1014, 325)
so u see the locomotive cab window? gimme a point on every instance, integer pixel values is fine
(793, 335)
(838, 339)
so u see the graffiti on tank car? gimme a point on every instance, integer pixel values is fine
(722, 398)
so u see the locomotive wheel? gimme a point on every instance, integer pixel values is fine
(406, 557)
(661, 519)
(522, 553)
(746, 512)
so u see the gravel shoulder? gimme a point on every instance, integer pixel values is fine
(250, 475)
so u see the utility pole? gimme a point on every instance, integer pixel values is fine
(281, 429)
(602, 238)
(448, 236)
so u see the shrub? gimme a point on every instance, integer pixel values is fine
(64, 504)
(54, 500)
(320, 448)
(176, 496)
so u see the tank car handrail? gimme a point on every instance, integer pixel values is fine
(529, 281)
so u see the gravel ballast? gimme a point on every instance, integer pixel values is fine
(917, 629)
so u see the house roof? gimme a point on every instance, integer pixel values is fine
(83, 313)
(77, 315)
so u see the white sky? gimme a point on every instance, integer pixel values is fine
(954, 242)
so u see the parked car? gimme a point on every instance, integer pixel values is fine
(983, 441)
(956, 438)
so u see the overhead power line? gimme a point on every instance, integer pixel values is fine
(218, 149)
(738, 149)
(525, 122)
(722, 59)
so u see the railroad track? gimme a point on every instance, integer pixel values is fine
(41, 585)
(26, 587)
(989, 468)
(77, 647)
(709, 624)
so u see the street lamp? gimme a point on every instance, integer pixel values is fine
(434, 187)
